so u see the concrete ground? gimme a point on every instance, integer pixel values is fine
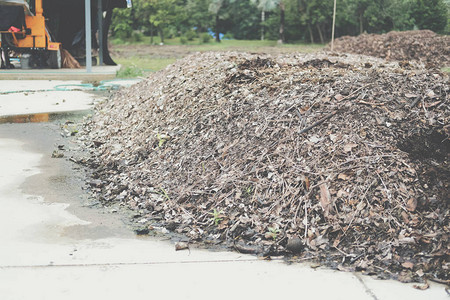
(53, 245)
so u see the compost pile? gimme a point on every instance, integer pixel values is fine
(342, 159)
(425, 46)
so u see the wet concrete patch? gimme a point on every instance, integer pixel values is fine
(44, 117)
(60, 185)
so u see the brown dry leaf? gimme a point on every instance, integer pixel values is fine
(339, 97)
(421, 286)
(411, 205)
(409, 95)
(405, 217)
(341, 193)
(433, 104)
(181, 246)
(408, 265)
(325, 199)
(349, 147)
(362, 133)
(420, 273)
(307, 183)
(343, 176)
(337, 241)
(345, 268)
(431, 94)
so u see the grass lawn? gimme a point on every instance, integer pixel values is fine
(139, 66)
(141, 58)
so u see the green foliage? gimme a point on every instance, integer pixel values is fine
(304, 20)
(228, 36)
(164, 194)
(190, 35)
(122, 23)
(216, 216)
(137, 37)
(243, 21)
(273, 232)
(162, 139)
(130, 72)
(265, 5)
(430, 14)
(205, 37)
(199, 15)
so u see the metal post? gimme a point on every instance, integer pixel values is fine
(334, 22)
(100, 32)
(87, 9)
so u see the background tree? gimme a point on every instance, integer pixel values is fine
(399, 12)
(283, 20)
(265, 6)
(430, 14)
(199, 15)
(215, 7)
(122, 23)
(243, 21)
(166, 12)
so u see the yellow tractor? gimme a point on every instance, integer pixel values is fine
(38, 30)
(25, 33)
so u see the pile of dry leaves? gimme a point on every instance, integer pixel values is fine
(339, 158)
(421, 45)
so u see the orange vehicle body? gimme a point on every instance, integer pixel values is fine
(35, 35)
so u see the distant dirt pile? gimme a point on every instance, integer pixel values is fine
(339, 158)
(422, 45)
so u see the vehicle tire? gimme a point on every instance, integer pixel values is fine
(54, 59)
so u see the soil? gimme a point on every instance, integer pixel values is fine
(335, 157)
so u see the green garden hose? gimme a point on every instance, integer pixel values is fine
(104, 85)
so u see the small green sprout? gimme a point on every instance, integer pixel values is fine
(249, 190)
(216, 216)
(273, 233)
(162, 138)
(73, 131)
(164, 194)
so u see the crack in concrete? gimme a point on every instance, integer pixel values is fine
(131, 263)
(366, 288)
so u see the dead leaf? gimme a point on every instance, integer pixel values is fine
(409, 95)
(315, 265)
(307, 183)
(345, 268)
(421, 286)
(343, 176)
(341, 193)
(339, 97)
(325, 199)
(349, 147)
(420, 273)
(361, 205)
(362, 133)
(407, 240)
(405, 217)
(433, 104)
(181, 246)
(411, 204)
(431, 94)
(408, 265)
